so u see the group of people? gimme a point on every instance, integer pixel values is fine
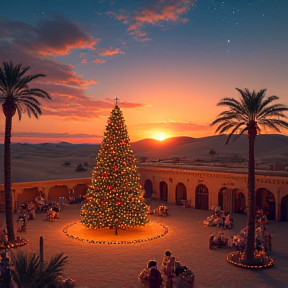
(52, 209)
(41, 204)
(263, 240)
(219, 241)
(27, 211)
(171, 274)
(161, 210)
(219, 219)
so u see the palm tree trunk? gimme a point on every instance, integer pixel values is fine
(250, 242)
(7, 180)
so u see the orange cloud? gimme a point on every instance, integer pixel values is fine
(132, 27)
(158, 13)
(84, 61)
(99, 61)
(65, 48)
(111, 52)
(55, 36)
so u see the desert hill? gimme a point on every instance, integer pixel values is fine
(266, 147)
(35, 162)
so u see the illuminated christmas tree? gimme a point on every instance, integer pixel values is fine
(115, 197)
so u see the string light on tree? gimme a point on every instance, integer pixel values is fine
(115, 198)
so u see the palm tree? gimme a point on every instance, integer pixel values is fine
(15, 95)
(30, 272)
(248, 115)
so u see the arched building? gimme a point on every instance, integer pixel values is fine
(202, 187)
(217, 186)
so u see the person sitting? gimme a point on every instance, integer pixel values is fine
(178, 279)
(41, 204)
(227, 222)
(210, 220)
(212, 244)
(213, 220)
(188, 278)
(56, 208)
(51, 214)
(162, 210)
(22, 222)
(223, 240)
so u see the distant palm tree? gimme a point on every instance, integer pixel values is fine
(247, 115)
(15, 95)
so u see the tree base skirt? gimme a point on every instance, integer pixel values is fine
(236, 258)
(151, 231)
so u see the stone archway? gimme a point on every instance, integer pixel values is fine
(239, 202)
(284, 208)
(201, 197)
(181, 193)
(163, 191)
(221, 195)
(265, 200)
(220, 199)
(80, 190)
(58, 191)
(148, 188)
(223, 199)
(27, 195)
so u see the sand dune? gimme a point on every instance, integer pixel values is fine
(35, 162)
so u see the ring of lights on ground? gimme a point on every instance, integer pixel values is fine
(151, 231)
(235, 259)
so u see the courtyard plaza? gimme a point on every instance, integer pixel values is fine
(118, 265)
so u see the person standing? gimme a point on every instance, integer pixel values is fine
(170, 272)
(155, 278)
(149, 279)
(165, 261)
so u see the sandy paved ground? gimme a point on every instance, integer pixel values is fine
(109, 266)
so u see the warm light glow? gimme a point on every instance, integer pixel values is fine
(161, 136)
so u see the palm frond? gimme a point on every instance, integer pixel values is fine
(29, 272)
(37, 92)
(14, 85)
(251, 108)
(273, 110)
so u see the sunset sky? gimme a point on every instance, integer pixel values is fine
(168, 61)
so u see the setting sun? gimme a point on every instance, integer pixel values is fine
(161, 136)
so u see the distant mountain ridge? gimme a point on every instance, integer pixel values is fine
(269, 145)
(35, 162)
(266, 146)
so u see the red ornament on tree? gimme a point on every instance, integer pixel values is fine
(118, 202)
